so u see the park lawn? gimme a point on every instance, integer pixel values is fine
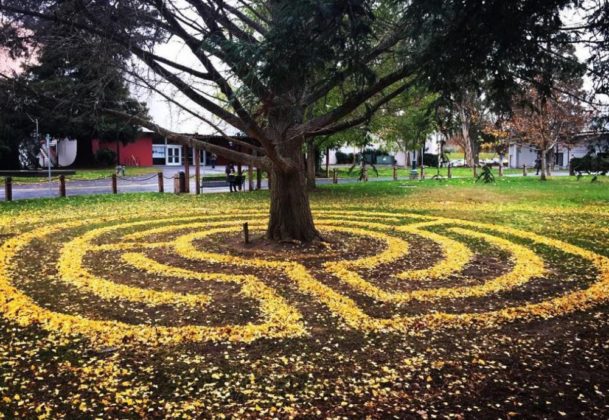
(107, 307)
(461, 155)
(88, 174)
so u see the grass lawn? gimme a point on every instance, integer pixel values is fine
(429, 299)
(461, 155)
(92, 174)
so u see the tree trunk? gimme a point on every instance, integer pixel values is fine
(290, 214)
(468, 146)
(500, 164)
(544, 164)
(328, 163)
(290, 217)
(311, 164)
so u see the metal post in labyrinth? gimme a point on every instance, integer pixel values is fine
(246, 233)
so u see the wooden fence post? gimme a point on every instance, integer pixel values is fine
(475, 171)
(334, 177)
(450, 171)
(524, 170)
(500, 168)
(197, 171)
(8, 188)
(395, 173)
(250, 177)
(160, 180)
(179, 183)
(62, 186)
(187, 169)
(114, 184)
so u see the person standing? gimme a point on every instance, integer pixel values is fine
(537, 165)
(231, 177)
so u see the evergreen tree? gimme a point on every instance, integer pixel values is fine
(66, 90)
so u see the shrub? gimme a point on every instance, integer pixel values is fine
(590, 163)
(105, 157)
(344, 158)
(429, 160)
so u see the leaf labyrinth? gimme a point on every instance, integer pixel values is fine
(136, 244)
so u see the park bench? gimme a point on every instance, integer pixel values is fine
(239, 181)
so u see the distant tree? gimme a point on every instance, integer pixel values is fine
(464, 116)
(406, 124)
(545, 121)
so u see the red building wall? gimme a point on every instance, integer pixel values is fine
(137, 153)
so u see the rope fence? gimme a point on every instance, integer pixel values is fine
(60, 186)
(135, 179)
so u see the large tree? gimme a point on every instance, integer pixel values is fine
(274, 61)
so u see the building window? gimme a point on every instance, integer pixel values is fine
(158, 151)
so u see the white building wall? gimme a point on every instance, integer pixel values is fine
(332, 156)
(432, 146)
(519, 155)
(526, 155)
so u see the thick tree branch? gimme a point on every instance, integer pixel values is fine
(241, 16)
(370, 110)
(352, 103)
(179, 104)
(385, 44)
(249, 125)
(244, 73)
(190, 141)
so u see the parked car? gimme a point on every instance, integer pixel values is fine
(457, 163)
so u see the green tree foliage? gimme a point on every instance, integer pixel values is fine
(72, 80)
(406, 123)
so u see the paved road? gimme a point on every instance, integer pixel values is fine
(149, 183)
